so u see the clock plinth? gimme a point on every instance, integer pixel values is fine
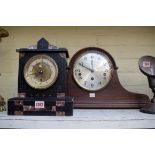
(112, 95)
(42, 80)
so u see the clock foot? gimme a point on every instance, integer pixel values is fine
(149, 108)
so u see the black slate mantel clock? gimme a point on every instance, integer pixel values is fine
(42, 81)
(42, 71)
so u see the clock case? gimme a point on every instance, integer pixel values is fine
(111, 96)
(59, 55)
(56, 92)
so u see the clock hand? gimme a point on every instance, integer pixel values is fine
(41, 61)
(86, 67)
(92, 64)
(38, 72)
(33, 73)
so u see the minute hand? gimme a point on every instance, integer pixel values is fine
(86, 67)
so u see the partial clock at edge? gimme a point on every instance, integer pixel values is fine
(94, 83)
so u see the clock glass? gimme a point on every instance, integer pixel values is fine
(92, 70)
(40, 71)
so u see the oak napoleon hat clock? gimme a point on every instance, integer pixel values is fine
(94, 83)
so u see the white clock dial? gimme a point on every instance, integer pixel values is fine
(40, 71)
(92, 70)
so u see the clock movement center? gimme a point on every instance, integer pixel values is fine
(42, 72)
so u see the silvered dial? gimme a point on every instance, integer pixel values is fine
(92, 70)
(40, 71)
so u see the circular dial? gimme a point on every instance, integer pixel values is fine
(40, 71)
(92, 70)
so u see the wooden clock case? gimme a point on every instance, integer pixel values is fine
(112, 96)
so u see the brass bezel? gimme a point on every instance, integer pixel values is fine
(35, 58)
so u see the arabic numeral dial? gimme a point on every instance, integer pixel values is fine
(92, 70)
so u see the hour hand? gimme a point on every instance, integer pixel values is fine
(86, 67)
(34, 74)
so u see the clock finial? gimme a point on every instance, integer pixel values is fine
(42, 44)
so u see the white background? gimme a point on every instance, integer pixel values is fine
(78, 13)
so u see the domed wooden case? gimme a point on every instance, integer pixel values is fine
(111, 96)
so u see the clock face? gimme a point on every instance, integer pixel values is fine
(40, 71)
(92, 70)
